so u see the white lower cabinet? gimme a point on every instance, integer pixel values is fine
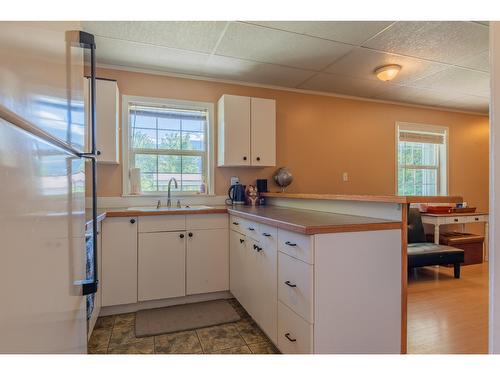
(161, 265)
(237, 268)
(207, 261)
(253, 272)
(154, 257)
(119, 261)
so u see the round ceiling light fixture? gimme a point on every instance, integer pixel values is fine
(387, 72)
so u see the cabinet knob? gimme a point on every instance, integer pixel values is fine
(132, 221)
(181, 235)
(258, 158)
(250, 228)
(235, 223)
(242, 240)
(290, 284)
(266, 234)
(98, 152)
(244, 158)
(456, 220)
(190, 234)
(476, 218)
(287, 335)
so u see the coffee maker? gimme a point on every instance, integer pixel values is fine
(236, 192)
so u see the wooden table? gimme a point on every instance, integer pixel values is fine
(458, 218)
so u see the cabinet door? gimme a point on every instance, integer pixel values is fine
(237, 267)
(119, 261)
(234, 131)
(264, 267)
(207, 261)
(107, 125)
(263, 133)
(161, 265)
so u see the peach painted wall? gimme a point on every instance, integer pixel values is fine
(320, 137)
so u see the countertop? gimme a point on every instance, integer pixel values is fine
(296, 220)
(369, 198)
(311, 222)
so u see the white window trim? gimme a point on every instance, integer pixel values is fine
(185, 104)
(443, 157)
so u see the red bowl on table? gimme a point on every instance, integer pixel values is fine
(439, 209)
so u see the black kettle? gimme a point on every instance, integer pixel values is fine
(236, 194)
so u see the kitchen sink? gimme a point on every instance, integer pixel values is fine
(173, 208)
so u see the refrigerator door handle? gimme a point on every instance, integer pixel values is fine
(86, 40)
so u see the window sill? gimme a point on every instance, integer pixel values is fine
(163, 195)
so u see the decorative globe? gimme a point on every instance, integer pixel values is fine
(283, 177)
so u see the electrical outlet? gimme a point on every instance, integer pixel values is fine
(345, 177)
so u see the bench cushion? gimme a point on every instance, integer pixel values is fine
(429, 254)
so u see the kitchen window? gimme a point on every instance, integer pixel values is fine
(421, 159)
(164, 139)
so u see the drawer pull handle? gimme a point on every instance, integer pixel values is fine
(290, 243)
(476, 218)
(290, 284)
(266, 234)
(235, 223)
(287, 335)
(456, 220)
(242, 240)
(181, 235)
(132, 221)
(250, 228)
(255, 247)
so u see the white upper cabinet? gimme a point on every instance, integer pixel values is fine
(107, 123)
(263, 132)
(246, 131)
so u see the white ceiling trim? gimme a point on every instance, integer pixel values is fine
(282, 88)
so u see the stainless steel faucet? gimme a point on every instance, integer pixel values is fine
(169, 202)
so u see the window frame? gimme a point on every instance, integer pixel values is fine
(181, 104)
(443, 164)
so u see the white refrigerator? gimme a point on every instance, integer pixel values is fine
(46, 274)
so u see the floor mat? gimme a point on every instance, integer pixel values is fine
(184, 317)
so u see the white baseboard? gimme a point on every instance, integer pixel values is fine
(133, 307)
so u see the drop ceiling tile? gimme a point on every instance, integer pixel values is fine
(132, 54)
(343, 85)
(446, 42)
(352, 32)
(469, 103)
(250, 71)
(457, 80)
(199, 36)
(362, 62)
(416, 95)
(480, 61)
(262, 44)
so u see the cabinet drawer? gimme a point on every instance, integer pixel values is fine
(268, 236)
(295, 335)
(295, 285)
(246, 227)
(457, 220)
(296, 245)
(206, 221)
(238, 224)
(162, 223)
(251, 229)
(477, 218)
